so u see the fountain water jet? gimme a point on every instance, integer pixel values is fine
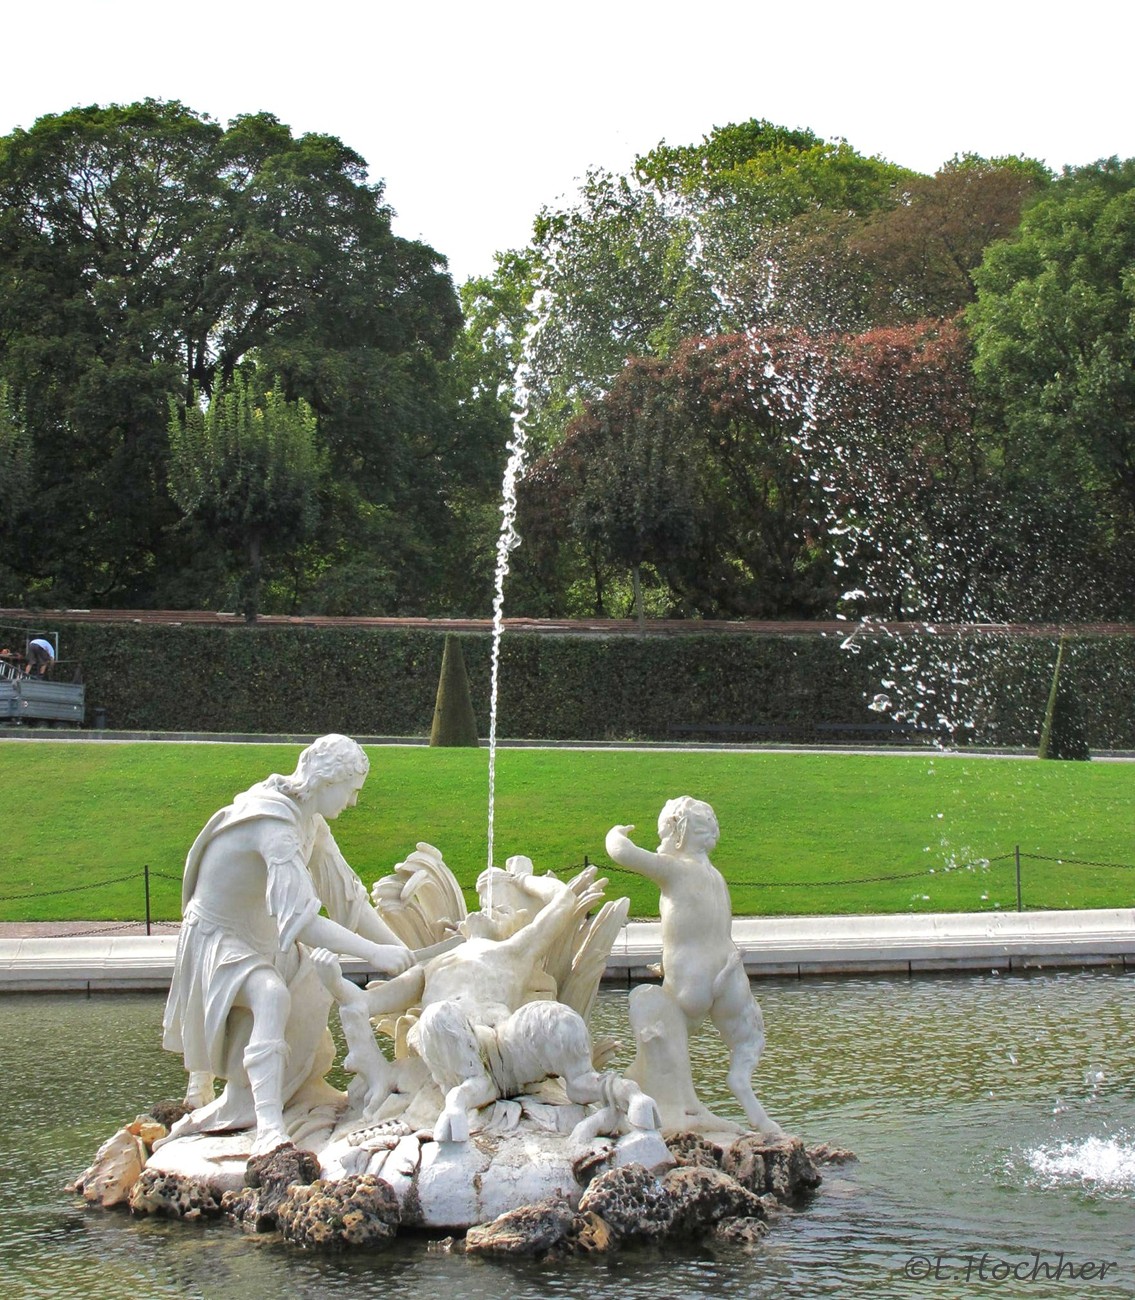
(507, 541)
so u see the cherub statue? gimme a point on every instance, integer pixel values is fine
(702, 971)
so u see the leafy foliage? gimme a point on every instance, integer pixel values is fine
(753, 473)
(15, 459)
(681, 247)
(920, 253)
(147, 253)
(381, 681)
(248, 466)
(1054, 334)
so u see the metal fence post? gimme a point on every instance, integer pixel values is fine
(146, 876)
(1017, 857)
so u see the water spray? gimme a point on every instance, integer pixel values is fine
(507, 542)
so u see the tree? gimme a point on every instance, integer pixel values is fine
(919, 254)
(15, 459)
(777, 475)
(907, 490)
(637, 498)
(756, 196)
(612, 280)
(16, 483)
(773, 173)
(686, 470)
(1054, 331)
(684, 246)
(1055, 363)
(147, 252)
(248, 466)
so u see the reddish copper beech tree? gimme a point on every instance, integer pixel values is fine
(774, 475)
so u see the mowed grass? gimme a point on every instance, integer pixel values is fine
(801, 833)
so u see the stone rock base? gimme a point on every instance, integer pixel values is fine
(698, 1199)
(517, 1194)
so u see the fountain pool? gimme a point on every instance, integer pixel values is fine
(994, 1117)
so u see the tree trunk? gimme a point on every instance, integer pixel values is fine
(640, 613)
(252, 589)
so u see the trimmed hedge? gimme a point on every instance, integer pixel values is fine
(381, 681)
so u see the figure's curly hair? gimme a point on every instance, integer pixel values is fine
(330, 758)
(684, 813)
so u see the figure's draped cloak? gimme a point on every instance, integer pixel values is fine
(216, 953)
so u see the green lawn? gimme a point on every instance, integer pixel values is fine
(75, 815)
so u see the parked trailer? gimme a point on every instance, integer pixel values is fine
(24, 699)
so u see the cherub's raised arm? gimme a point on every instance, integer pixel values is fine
(620, 849)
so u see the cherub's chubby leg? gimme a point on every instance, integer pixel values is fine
(739, 1022)
(445, 1039)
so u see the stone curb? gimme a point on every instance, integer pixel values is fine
(789, 947)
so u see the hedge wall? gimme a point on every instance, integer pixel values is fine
(367, 681)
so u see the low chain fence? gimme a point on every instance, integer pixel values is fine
(65, 929)
(739, 887)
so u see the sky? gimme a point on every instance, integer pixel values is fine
(477, 114)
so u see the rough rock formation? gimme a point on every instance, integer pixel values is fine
(694, 1149)
(168, 1112)
(359, 1210)
(780, 1166)
(823, 1153)
(724, 1194)
(268, 1180)
(740, 1232)
(632, 1202)
(701, 1197)
(173, 1196)
(533, 1230)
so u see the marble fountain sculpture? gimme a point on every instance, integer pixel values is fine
(493, 1111)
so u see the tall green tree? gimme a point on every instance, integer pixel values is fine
(1054, 331)
(1055, 364)
(148, 252)
(248, 466)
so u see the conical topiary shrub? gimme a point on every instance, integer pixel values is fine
(1062, 734)
(454, 720)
